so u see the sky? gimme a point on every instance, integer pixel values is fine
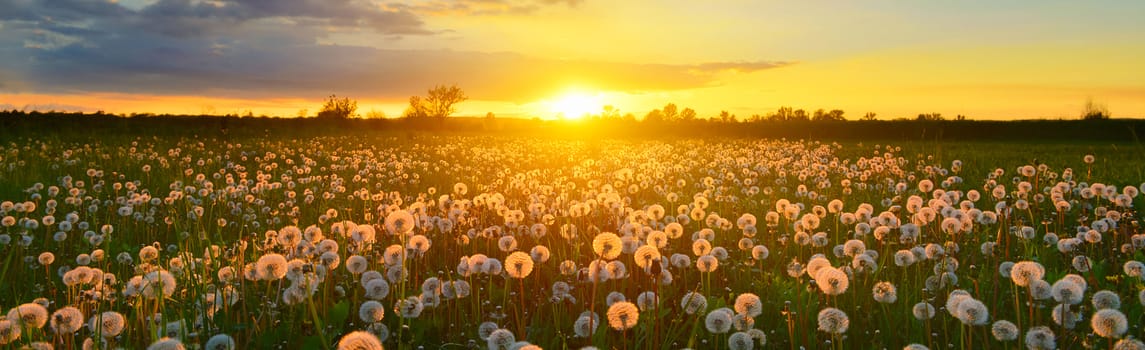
(1017, 59)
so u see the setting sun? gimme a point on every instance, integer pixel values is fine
(575, 105)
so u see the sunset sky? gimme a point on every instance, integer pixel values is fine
(982, 59)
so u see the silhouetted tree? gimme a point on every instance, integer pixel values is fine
(338, 108)
(833, 115)
(799, 114)
(1094, 111)
(688, 114)
(726, 117)
(654, 116)
(869, 116)
(669, 112)
(416, 109)
(442, 98)
(782, 114)
(930, 117)
(439, 102)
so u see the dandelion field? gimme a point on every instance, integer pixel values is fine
(468, 242)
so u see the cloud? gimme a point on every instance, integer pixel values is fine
(57, 107)
(483, 7)
(270, 49)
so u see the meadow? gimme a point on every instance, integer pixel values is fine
(362, 241)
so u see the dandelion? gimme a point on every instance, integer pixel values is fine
(271, 267)
(707, 263)
(1068, 292)
(1081, 263)
(1129, 343)
(9, 331)
(356, 264)
(1004, 330)
(645, 255)
(693, 302)
(607, 245)
(66, 320)
(410, 307)
(647, 300)
(1109, 323)
(371, 311)
(501, 339)
(582, 326)
(923, 311)
(399, 222)
(1062, 316)
(834, 321)
(540, 254)
(148, 254)
(519, 265)
(972, 312)
(31, 315)
(701, 247)
(832, 281)
(1040, 290)
(166, 343)
(1106, 300)
(108, 324)
(884, 292)
(719, 321)
(748, 304)
(46, 258)
(904, 258)
(759, 252)
(220, 342)
(1025, 271)
(1041, 337)
(1134, 268)
(740, 341)
(359, 340)
(742, 322)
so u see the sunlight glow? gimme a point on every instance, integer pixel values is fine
(575, 105)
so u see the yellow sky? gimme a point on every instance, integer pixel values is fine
(1021, 59)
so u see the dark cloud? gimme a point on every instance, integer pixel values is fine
(484, 7)
(58, 107)
(268, 48)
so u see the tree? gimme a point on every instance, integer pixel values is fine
(782, 114)
(819, 115)
(930, 117)
(833, 115)
(441, 99)
(669, 112)
(439, 102)
(688, 114)
(800, 115)
(338, 108)
(869, 116)
(836, 115)
(1094, 111)
(654, 116)
(726, 117)
(416, 108)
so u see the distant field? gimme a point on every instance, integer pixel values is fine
(257, 239)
